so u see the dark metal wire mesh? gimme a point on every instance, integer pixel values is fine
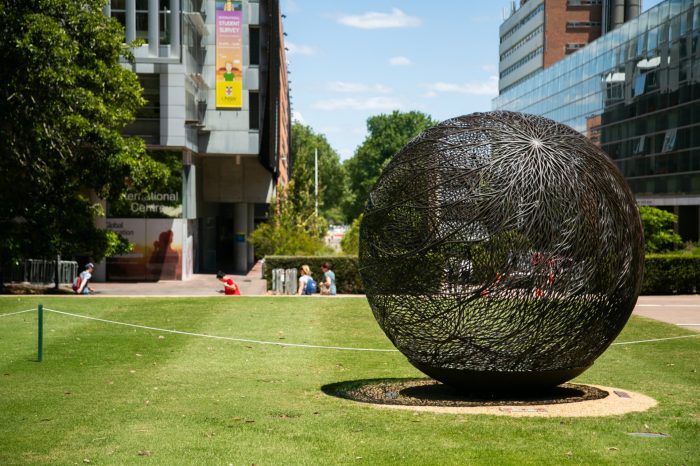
(500, 247)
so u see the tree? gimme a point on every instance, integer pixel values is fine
(350, 244)
(292, 230)
(331, 173)
(65, 99)
(658, 226)
(387, 135)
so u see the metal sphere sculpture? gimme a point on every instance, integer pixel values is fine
(501, 251)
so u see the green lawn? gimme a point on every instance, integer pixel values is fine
(112, 394)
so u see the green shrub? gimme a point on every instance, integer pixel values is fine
(293, 227)
(350, 244)
(675, 273)
(671, 274)
(347, 276)
(659, 235)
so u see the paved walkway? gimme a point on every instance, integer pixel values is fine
(682, 310)
(197, 285)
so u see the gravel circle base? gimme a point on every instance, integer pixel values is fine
(428, 392)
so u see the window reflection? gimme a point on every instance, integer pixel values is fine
(637, 91)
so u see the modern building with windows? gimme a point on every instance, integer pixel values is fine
(539, 33)
(214, 74)
(635, 91)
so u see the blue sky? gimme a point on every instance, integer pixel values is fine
(353, 59)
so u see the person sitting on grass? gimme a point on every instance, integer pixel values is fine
(328, 283)
(230, 286)
(307, 285)
(80, 284)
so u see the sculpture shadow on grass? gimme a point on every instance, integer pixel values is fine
(428, 392)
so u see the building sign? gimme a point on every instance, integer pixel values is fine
(147, 205)
(229, 54)
(163, 203)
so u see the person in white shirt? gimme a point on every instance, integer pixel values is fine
(85, 277)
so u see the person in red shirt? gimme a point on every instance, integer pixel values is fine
(230, 287)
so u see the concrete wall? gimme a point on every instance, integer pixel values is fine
(234, 179)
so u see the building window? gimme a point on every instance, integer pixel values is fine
(147, 122)
(584, 2)
(669, 141)
(522, 22)
(640, 83)
(521, 62)
(254, 33)
(118, 11)
(575, 46)
(582, 24)
(142, 19)
(522, 42)
(164, 21)
(151, 93)
(253, 110)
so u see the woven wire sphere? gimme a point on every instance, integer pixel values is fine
(501, 251)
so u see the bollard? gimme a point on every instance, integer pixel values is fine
(41, 333)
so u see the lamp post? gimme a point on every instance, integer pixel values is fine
(316, 178)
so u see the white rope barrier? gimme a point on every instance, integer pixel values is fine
(204, 335)
(276, 343)
(18, 312)
(655, 339)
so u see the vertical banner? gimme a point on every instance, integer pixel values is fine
(229, 54)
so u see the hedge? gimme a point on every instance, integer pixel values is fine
(663, 273)
(671, 274)
(347, 277)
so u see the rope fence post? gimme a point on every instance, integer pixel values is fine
(41, 334)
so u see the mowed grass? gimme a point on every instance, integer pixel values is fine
(110, 394)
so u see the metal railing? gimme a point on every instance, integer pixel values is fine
(40, 271)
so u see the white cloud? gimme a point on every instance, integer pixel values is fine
(295, 49)
(370, 103)
(298, 117)
(341, 86)
(374, 20)
(488, 87)
(400, 61)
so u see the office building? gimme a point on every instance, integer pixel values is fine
(214, 75)
(539, 33)
(635, 91)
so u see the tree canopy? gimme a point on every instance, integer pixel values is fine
(331, 173)
(65, 99)
(293, 228)
(387, 135)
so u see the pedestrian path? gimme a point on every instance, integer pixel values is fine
(681, 310)
(197, 285)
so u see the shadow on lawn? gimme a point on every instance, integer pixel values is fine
(429, 392)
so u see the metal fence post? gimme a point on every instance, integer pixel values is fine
(40, 349)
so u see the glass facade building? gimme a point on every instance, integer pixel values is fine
(635, 92)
